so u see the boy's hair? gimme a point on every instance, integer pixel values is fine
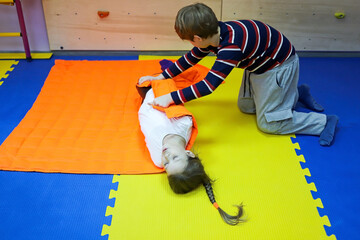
(192, 177)
(196, 19)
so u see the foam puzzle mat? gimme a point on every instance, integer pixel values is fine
(42, 55)
(6, 67)
(261, 171)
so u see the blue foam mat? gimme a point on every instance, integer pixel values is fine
(335, 170)
(38, 206)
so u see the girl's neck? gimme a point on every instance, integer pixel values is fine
(174, 139)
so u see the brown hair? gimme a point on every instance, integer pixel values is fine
(192, 177)
(196, 19)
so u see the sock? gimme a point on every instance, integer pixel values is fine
(165, 64)
(307, 100)
(327, 135)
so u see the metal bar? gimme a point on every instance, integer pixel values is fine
(23, 29)
(10, 34)
(7, 2)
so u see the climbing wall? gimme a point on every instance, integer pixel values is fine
(310, 25)
(130, 24)
(321, 25)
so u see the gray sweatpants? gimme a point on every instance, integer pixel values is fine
(273, 96)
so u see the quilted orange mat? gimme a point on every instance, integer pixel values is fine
(84, 121)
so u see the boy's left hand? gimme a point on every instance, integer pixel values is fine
(162, 101)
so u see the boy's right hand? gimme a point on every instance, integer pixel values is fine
(150, 78)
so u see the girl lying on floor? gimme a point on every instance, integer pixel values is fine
(167, 140)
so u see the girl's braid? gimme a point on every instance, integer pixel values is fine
(229, 219)
(210, 192)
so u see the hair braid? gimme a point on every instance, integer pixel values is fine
(192, 177)
(229, 219)
(210, 192)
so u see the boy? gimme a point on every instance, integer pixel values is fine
(269, 86)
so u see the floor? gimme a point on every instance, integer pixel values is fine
(67, 206)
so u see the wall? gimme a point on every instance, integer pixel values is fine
(35, 24)
(309, 24)
(148, 25)
(131, 25)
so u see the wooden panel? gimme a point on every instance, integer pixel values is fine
(148, 25)
(310, 25)
(131, 24)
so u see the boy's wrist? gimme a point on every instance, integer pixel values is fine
(175, 97)
(160, 77)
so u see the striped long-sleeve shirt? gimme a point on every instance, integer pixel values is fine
(247, 44)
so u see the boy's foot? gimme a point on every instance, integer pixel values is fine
(327, 135)
(307, 100)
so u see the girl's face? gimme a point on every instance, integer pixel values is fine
(175, 159)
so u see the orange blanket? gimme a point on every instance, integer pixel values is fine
(85, 120)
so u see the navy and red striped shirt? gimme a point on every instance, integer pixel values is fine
(247, 44)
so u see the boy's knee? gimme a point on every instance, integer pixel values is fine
(268, 127)
(246, 105)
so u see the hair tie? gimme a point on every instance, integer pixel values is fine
(216, 205)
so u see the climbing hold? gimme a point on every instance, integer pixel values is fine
(339, 15)
(103, 14)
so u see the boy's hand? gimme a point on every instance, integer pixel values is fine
(150, 78)
(162, 101)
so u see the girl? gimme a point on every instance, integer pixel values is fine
(166, 140)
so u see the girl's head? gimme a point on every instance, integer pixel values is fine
(196, 19)
(194, 175)
(175, 158)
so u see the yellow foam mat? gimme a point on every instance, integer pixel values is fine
(45, 55)
(260, 170)
(5, 68)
